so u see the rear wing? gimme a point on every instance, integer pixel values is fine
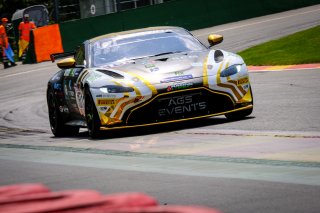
(55, 56)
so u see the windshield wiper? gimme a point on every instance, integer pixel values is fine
(147, 56)
(166, 53)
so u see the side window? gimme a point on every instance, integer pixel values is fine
(79, 57)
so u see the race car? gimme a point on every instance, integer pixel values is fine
(145, 77)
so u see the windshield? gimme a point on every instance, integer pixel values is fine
(140, 45)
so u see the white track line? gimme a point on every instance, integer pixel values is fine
(260, 22)
(21, 73)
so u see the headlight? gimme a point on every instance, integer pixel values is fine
(231, 70)
(115, 89)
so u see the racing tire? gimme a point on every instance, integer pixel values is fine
(55, 118)
(92, 117)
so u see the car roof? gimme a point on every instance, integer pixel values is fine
(133, 31)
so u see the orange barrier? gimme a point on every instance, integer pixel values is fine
(47, 40)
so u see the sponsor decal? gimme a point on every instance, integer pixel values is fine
(105, 96)
(243, 81)
(181, 105)
(65, 88)
(179, 86)
(80, 100)
(176, 78)
(179, 73)
(57, 86)
(71, 74)
(154, 69)
(70, 85)
(64, 109)
(67, 72)
(102, 102)
(197, 64)
(151, 66)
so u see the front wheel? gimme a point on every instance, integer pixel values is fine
(92, 117)
(56, 122)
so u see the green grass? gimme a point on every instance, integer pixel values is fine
(299, 48)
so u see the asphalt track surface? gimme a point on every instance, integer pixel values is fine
(269, 162)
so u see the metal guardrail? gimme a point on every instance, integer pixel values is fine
(77, 9)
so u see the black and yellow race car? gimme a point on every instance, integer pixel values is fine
(145, 77)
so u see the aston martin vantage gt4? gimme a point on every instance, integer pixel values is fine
(146, 77)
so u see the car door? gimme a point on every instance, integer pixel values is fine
(70, 85)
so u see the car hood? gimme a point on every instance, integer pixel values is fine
(164, 69)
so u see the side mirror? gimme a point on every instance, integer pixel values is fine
(214, 39)
(67, 63)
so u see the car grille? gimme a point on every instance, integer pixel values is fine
(180, 105)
